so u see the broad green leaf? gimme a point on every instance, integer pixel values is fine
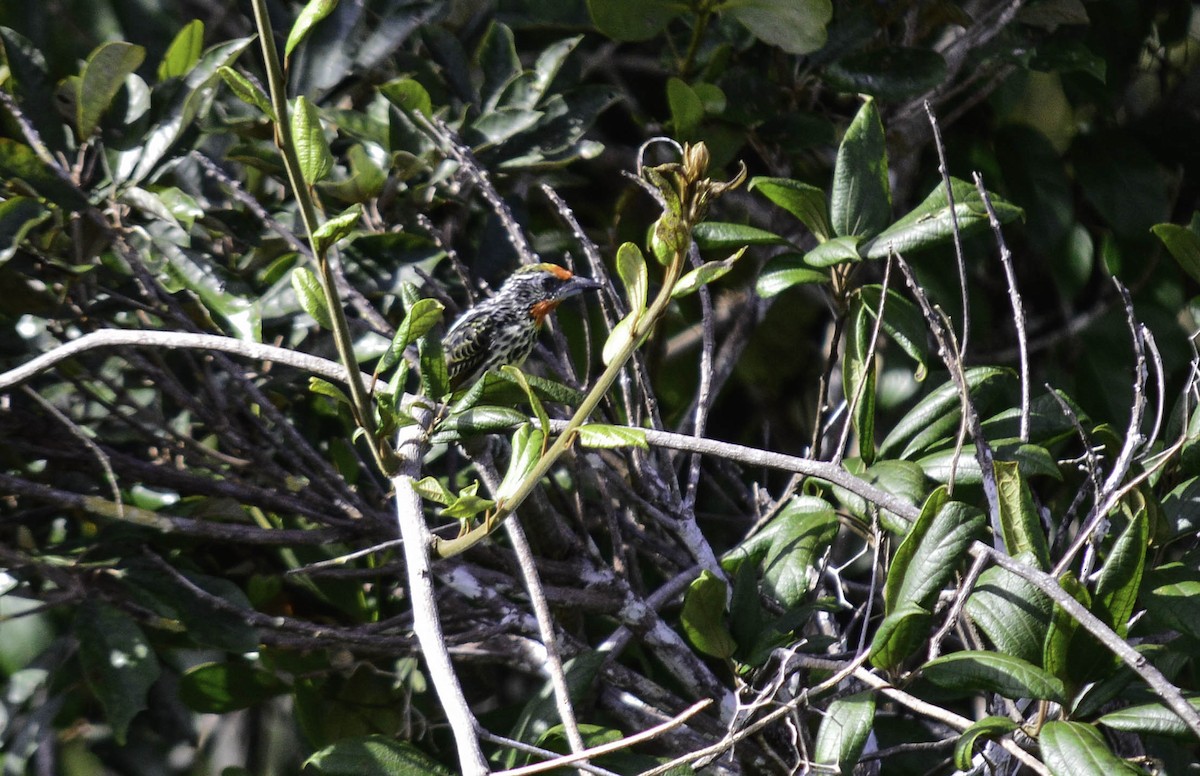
(432, 489)
(422, 316)
(631, 269)
(1150, 719)
(1172, 594)
(844, 730)
(1032, 460)
(687, 109)
(1075, 748)
(247, 91)
(859, 376)
(409, 95)
(510, 372)
(497, 57)
(1011, 612)
(837, 250)
(312, 298)
(899, 635)
(900, 478)
(314, 11)
(632, 20)
(184, 52)
(326, 388)
(703, 616)
(1009, 676)
(526, 450)
(902, 322)
(791, 546)
(19, 161)
(931, 222)
(937, 415)
(1183, 244)
(1065, 642)
(796, 26)
(603, 435)
(1121, 575)
(335, 229)
(704, 274)
(717, 235)
(805, 202)
(892, 74)
(1019, 522)
(309, 136)
(988, 727)
(219, 688)
(373, 755)
(861, 201)
(435, 379)
(619, 337)
(118, 663)
(102, 78)
(18, 216)
(784, 271)
(927, 558)
(468, 503)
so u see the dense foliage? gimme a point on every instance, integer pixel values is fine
(879, 441)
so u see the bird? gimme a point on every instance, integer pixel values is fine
(502, 330)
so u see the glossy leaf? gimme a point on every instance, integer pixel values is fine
(311, 147)
(687, 109)
(784, 271)
(937, 415)
(978, 671)
(1019, 522)
(102, 78)
(118, 663)
(313, 12)
(606, 436)
(902, 322)
(1073, 748)
(931, 223)
(526, 449)
(1150, 719)
(706, 273)
(218, 688)
(374, 755)
(844, 729)
(805, 202)
(703, 616)
(247, 91)
(899, 635)
(631, 269)
(717, 235)
(422, 316)
(619, 337)
(312, 298)
(18, 216)
(1121, 576)
(838, 250)
(408, 95)
(987, 728)
(796, 26)
(632, 20)
(1184, 246)
(1011, 612)
(184, 51)
(791, 546)
(861, 202)
(929, 555)
(1172, 594)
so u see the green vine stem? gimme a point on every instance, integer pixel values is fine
(686, 193)
(360, 400)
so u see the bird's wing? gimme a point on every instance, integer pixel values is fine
(467, 346)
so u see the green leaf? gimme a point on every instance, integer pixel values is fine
(928, 557)
(717, 235)
(805, 202)
(978, 671)
(1019, 522)
(312, 149)
(373, 755)
(19, 161)
(1183, 244)
(218, 688)
(468, 503)
(1121, 576)
(408, 95)
(844, 730)
(422, 316)
(541, 711)
(784, 271)
(184, 52)
(792, 544)
(902, 322)
(526, 450)
(1073, 748)
(312, 298)
(619, 337)
(1011, 612)
(335, 229)
(861, 201)
(246, 90)
(606, 436)
(931, 222)
(18, 216)
(102, 77)
(631, 269)
(118, 662)
(1064, 639)
(1153, 719)
(632, 20)
(516, 376)
(859, 376)
(501, 65)
(838, 250)
(703, 616)
(326, 388)
(435, 379)
(988, 727)
(432, 489)
(899, 635)
(687, 110)
(314, 11)
(796, 26)
(937, 415)
(1172, 594)
(704, 274)
(892, 74)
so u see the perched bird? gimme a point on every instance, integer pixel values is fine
(502, 330)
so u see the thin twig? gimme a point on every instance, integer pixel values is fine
(960, 261)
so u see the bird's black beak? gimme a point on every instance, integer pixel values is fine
(575, 286)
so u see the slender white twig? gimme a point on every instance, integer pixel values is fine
(960, 261)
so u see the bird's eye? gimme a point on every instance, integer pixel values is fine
(550, 283)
